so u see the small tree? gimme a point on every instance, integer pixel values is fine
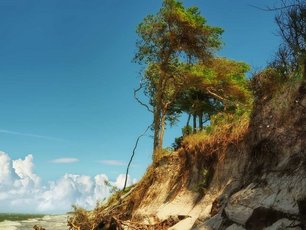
(291, 21)
(198, 105)
(219, 85)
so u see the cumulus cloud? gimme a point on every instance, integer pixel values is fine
(119, 183)
(21, 190)
(65, 160)
(24, 170)
(113, 162)
(7, 173)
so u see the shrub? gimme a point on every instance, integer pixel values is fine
(266, 82)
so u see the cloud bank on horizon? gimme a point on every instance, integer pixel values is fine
(21, 190)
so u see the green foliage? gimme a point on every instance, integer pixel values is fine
(228, 81)
(177, 143)
(173, 31)
(213, 87)
(187, 130)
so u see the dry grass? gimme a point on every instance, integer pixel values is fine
(270, 85)
(274, 94)
(160, 153)
(81, 219)
(283, 97)
(225, 129)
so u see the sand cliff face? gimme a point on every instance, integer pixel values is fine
(260, 183)
(270, 187)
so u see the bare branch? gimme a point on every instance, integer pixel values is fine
(291, 22)
(269, 9)
(133, 154)
(138, 100)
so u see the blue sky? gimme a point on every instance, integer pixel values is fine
(67, 79)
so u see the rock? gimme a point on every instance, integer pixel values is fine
(284, 224)
(302, 209)
(240, 207)
(264, 217)
(212, 223)
(235, 227)
(238, 213)
(183, 224)
(277, 198)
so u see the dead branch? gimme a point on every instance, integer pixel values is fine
(269, 9)
(138, 100)
(133, 154)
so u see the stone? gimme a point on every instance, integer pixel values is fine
(212, 223)
(235, 227)
(284, 224)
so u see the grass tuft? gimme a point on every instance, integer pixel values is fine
(225, 129)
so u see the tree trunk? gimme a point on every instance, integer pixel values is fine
(162, 129)
(194, 123)
(156, 126)
(159, 131)
(188, 120)
(159, 117)
(201, 121)
(304, 73)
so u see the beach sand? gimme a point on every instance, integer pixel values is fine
(49, 222)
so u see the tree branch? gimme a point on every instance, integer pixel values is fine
(216, 95)
(138, 100)
(132, 156)
(269, 9)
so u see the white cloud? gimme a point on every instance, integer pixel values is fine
(113, 162)
(119, 183)
(65, 160)
(21, 189)
(24, 170)
(7, 174)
